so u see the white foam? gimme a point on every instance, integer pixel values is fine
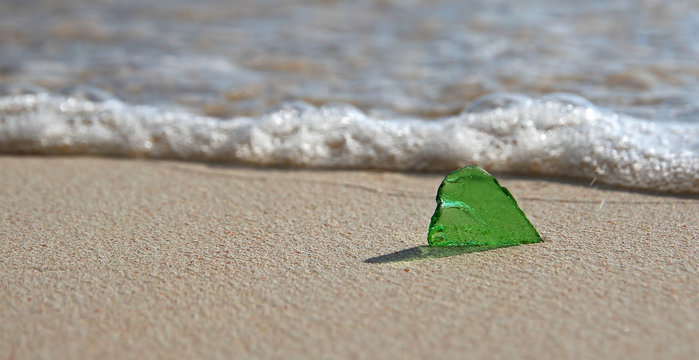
(558, 135)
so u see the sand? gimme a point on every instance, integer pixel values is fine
(108, 258)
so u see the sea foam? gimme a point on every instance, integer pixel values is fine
(557, 135)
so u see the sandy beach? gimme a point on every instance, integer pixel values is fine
(111, 259)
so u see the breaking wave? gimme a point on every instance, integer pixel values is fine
(557, 135)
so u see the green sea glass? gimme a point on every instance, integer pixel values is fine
(474, 210)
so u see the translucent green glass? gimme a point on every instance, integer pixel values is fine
(474, 210)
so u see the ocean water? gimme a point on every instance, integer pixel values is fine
(596, 90)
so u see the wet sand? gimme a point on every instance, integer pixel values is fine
(106, 258)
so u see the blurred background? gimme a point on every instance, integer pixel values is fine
(425, 59)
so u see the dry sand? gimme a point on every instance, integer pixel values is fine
(105, 258)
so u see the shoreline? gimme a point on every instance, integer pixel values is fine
(119, 258)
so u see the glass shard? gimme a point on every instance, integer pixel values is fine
(474, 210)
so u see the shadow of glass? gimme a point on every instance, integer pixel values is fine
(427, 252)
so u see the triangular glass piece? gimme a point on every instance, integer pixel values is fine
(474, 210)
